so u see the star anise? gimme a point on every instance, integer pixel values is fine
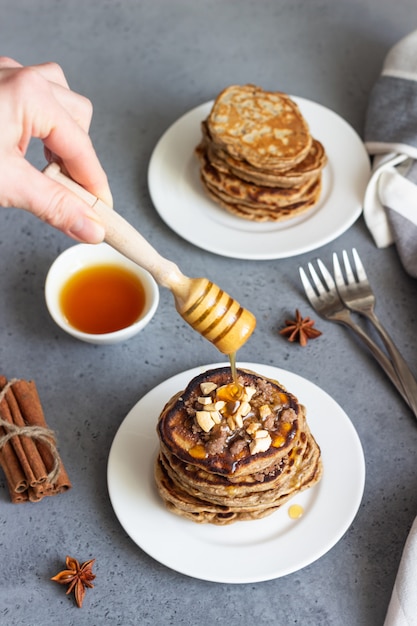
(301, 329)
(77, 576)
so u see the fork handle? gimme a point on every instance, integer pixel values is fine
(401, 367)
(379, 356)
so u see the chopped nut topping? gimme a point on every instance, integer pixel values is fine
(231, 423)
(232, 406)
(249, 392)
(216, 417)
(207, 388)
(260, 444)
(238, 419)
(264, 411)
(215, 406)
(259, 434)
(204, 420)
(204, 400)
(244, 408)
(253, 427)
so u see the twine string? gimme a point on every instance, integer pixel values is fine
(46, 435)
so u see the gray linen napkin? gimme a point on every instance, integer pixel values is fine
(402, 610)
(390, 204)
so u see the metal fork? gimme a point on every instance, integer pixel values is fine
(357, 295)
(325, 299)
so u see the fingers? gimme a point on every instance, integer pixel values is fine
(53, 73)
(71, 144)
(54, 204)
(50, 71)
(75, 150)
(61, 119)
(37, 102)
(8, 63)
(68, 139)
(77, 106)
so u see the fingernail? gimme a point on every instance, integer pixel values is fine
(88, 230)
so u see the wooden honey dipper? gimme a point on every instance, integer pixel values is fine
(202, 304)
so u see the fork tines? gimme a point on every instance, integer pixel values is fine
(350, 275)
(322, 285)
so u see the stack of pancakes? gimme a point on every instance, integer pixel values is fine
(257, 157)
(221, 461)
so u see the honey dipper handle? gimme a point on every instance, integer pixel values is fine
(124, 238)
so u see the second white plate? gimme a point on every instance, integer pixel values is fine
(243, 552)
(180, 200)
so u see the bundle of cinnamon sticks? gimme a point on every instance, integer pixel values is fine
(28, 452)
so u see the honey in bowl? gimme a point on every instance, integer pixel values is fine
(102, 299)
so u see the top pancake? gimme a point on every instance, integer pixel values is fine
(225, 450)
(265, 128)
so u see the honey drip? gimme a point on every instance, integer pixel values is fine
(295, 511)
(232, 361)
(234, 391)
(198, 452)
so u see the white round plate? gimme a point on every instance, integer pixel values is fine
(247, 551)
(178, 195)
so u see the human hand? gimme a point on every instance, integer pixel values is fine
(36, 101)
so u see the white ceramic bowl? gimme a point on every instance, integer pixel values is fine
(84, 255)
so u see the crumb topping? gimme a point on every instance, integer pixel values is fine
(241, 418)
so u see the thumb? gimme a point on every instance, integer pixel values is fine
(58, 206)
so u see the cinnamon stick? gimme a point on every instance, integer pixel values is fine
(30, 456)
(34, 495)
(17, 497)
(28, 400)
(11, 467)
(31, 461)
(9, 458)
(30, 405)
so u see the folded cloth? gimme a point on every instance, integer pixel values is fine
(402, 609)
(390, 203)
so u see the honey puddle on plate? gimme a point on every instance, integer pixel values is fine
(295, 511)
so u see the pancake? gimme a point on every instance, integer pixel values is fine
(241, 191)
(265, 128)
(264, 214)
(310, 167)
(181, 503)
(258, 160)
(244, 464)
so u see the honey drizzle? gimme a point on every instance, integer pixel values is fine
(234, 391)
(232, 361)
(231, 394)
